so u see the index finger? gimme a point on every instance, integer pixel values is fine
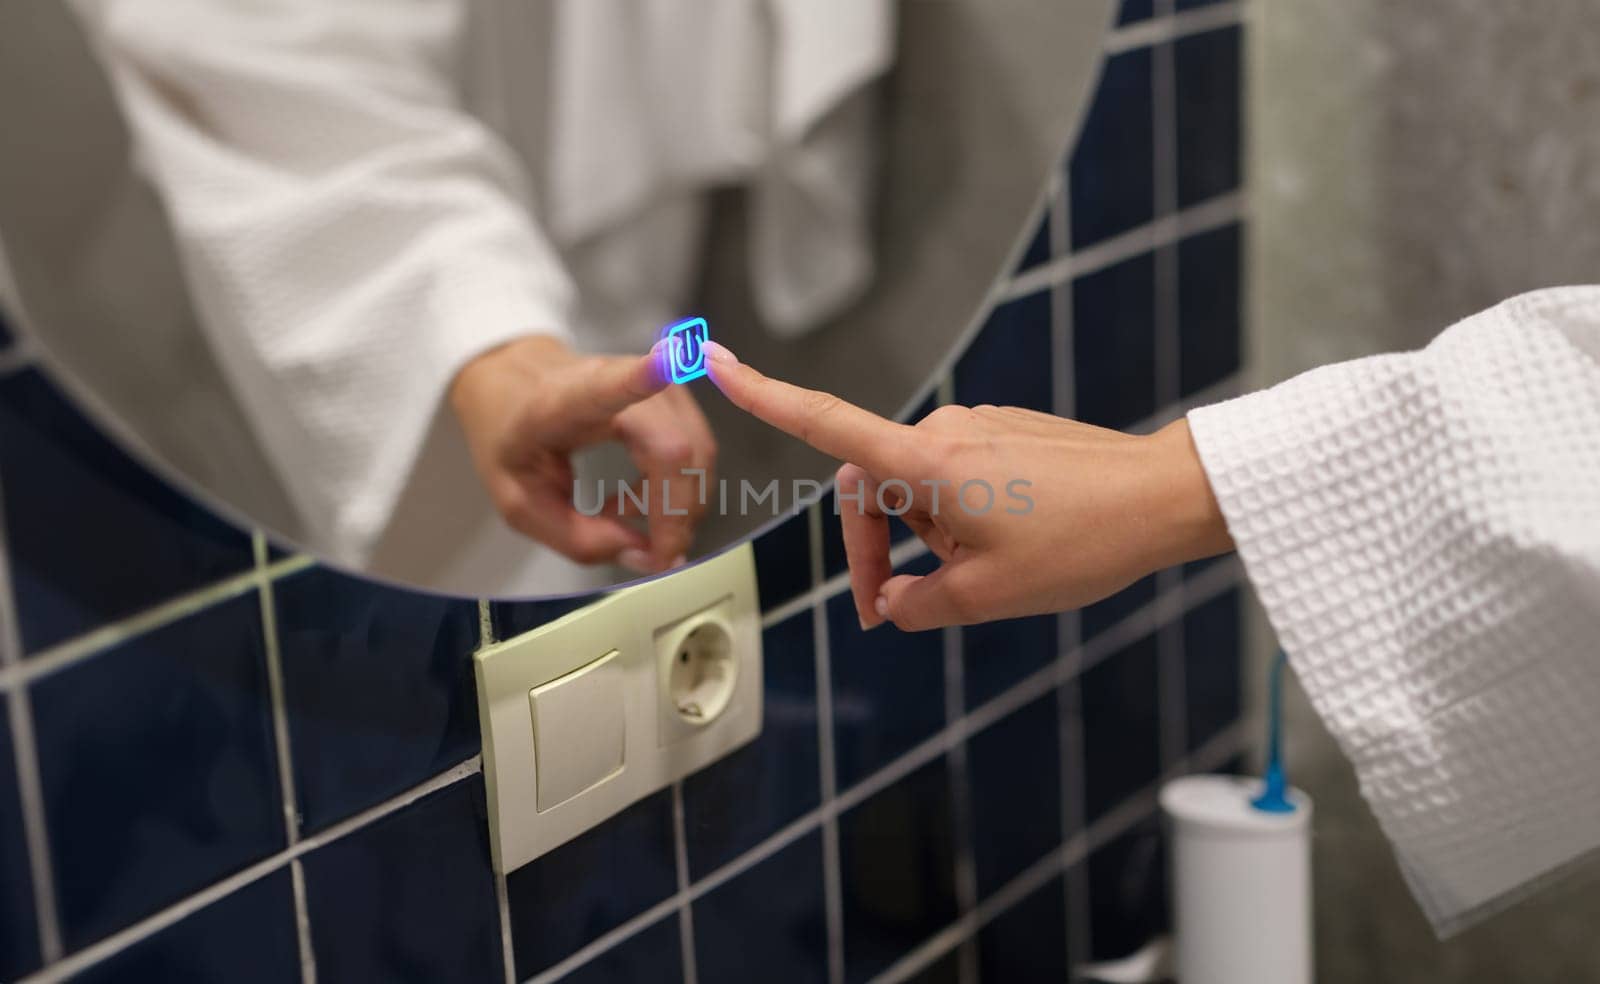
(832, 425)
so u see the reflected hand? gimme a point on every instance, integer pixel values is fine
(1103, 508)
(527, 405)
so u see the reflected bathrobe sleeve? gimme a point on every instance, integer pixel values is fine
(350, 234)
(1423, 530)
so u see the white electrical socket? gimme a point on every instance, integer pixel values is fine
(665, 676)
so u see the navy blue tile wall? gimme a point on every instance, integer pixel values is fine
(1102, 615)
(158, 768)
(19, 937)
(1209, 299)
(410, 897)
(775, 778)
(591, 884)
(1009, 363)
(378, 686)
(997, 655)
(654, 955)
(1121, 724)
(778, 577)
(247, 937)
(1112, 174)
(888, 688)
(156, 742)
(1208, 106)
(1114, 343)
(1015, 769)
(1127, 887)
(1211, 668)
(68, 493)
(1025, 943)
(774, 910)
(897, 869)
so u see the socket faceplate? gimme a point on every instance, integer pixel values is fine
(656, 751)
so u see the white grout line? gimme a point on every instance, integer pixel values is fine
(1061, 858)
(966, 875)
(62, 655)
(680, 857)
(280, 739)
(111, 945)
(25, 755)
(1213, 213)
(1170, 26)
(832, 876)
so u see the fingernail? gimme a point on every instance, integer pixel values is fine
(680, 560)
(636, 560)
(881, 606)
(720, 354)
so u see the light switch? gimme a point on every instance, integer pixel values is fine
(604, 706)
(579, 730)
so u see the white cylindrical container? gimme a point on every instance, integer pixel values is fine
(1241, 883)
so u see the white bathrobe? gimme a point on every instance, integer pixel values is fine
(1424, 532)
(368, 193)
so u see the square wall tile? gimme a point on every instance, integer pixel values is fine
(654, 955)
(1121, 727)
(410, 897)
(1135, 10)
(1210, 326)
(1008, 363)
(379, 689)
(94, 537)
(888, 687)
(158, 768)
(592, 884)
(1112, 172)
(737, 802)
(945, 970)
(783, 560)
(1208, 103)
(1014, 767)
(1212, 676)
(245, 937)
(897, 870)
(771, 917)
(19, 935)
(1028, 942)
(1103, 614)
(998, 655)
(1128, 891)
(1114, 343)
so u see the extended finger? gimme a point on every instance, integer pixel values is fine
(866, 541)
(597, 388)
(831, 425)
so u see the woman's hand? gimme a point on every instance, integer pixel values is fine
(1074, 513)
(526, 406)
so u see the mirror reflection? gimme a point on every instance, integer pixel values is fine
(398, 282)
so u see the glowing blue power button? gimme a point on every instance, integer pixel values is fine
(685, 351)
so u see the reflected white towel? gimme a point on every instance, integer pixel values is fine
(368, 193)
(1424, 532)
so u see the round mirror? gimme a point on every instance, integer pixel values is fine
(315, 270)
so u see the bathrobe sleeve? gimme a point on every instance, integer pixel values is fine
(350, 234)
(1423, 530)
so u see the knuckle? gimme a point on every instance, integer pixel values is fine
(946, 416)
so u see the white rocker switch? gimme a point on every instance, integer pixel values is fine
(579, 730)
